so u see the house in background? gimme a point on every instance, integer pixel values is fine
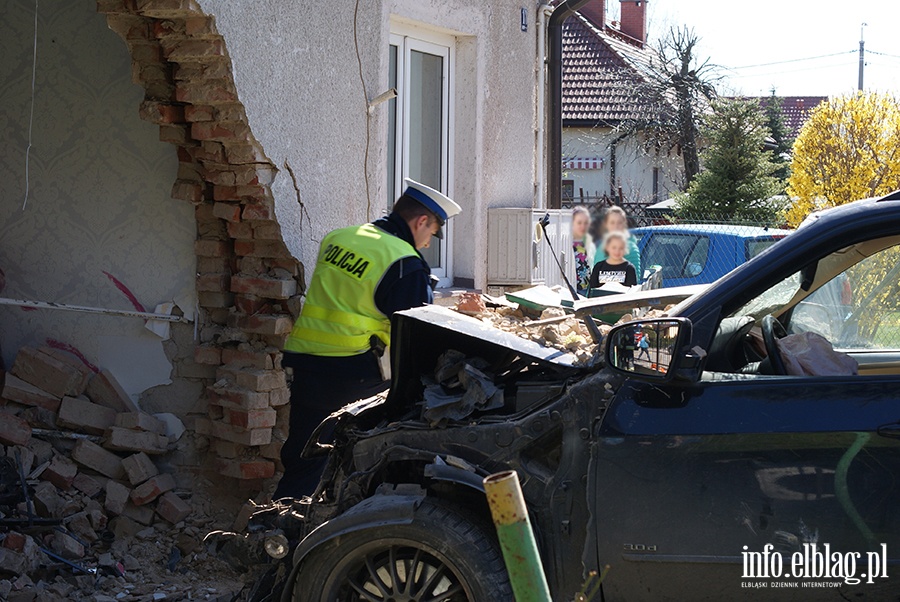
(604, 67)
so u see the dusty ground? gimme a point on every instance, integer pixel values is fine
(161, 562)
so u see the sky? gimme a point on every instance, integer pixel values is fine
(739, 34)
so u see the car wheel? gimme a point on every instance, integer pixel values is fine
(441, 556)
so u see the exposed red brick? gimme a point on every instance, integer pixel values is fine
(73, 361)
(182, 50)
(252, 419)
(208, 354)
(172, 508)
(230, 212)
(262, 324)
(61, 472)
(139, 467)
(235, 397)
(256, 248)
(195, 112)
(265, 230)
(240, 230)
(173, 133)
(254, 359)
(251, 304)
(121, 439)
(84, 416)
(271, 288)
(251, 437)
(279, 397)
(96, 458)
(19, 391)
(185, 190)
(14, 430)
(260, 380)
(140, 421)
(257, 469)
(208, 151)
(199, 26)
(259, 211)
(152, 489)
(212, 248)
(159, 112)
(212, 91)
(146, 52)
(47, 373)
(86, 484)
(116, 497)
(214, 264)
(219, 130)
(245, 153)
(14, 541)
(213, 282)
(67, 547)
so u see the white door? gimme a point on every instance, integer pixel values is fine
(420, 121)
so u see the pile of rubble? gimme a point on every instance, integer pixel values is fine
(85, 512)
(552, 327)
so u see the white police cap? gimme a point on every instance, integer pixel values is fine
(438, 203)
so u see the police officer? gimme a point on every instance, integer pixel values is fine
(363, 275)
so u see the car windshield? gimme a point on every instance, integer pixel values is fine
(771, 300)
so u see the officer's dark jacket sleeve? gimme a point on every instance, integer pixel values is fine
(406, 283)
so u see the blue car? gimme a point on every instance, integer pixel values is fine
(701, 253)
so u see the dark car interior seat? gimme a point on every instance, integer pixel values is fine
(727, 352)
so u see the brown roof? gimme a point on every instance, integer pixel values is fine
(601, 74)
(796, 110)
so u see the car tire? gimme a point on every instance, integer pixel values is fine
(452, 555)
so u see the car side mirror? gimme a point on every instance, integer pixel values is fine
(648, 349)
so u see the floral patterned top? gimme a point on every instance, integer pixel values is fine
(582, 265)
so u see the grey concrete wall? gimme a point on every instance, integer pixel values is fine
(100, 195)
(297, 72)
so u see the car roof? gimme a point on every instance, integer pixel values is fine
(721, 229)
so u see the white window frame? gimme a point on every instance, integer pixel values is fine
(408, 38)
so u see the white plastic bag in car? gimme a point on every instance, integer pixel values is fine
(810, 354)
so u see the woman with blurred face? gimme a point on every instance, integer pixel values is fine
(583, 248)
(616, 220)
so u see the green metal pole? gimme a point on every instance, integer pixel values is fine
(520, 553)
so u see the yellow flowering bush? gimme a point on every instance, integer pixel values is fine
(849, 149)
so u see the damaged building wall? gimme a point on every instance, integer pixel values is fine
(100, 227)
(306, 103)
(245, 281)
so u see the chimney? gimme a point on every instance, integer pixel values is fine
(595, 12)
(634, 20)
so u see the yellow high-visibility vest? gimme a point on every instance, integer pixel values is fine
(339, 315)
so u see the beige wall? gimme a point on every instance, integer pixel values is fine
(100, 193)
(634, 165)
(297, 73)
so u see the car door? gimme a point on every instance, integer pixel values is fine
(691, 479)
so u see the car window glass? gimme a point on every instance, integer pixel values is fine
(671, 251)
(771, 300)
(696, 261)
(859, 308)
(757, 246)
